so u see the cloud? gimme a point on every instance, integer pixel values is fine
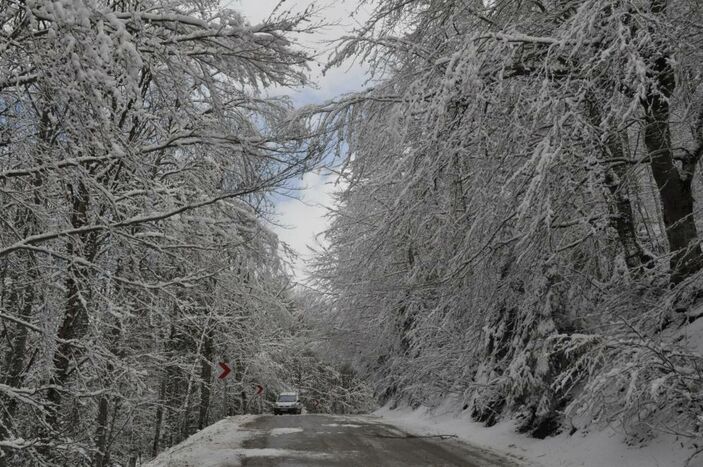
(302, 220)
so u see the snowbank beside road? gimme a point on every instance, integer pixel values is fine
(218, 444)
(601, 449)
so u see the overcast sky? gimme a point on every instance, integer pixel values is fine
(301, 220)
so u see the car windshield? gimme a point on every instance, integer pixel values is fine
(287, 398)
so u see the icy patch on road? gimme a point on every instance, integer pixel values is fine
(287, 453)
(347, 425)
(285, 431)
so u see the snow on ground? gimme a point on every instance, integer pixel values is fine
(601, 449)
(220, 445)
(208, 447)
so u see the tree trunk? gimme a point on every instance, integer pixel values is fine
(674, 183)
(15, 359)
(205, 380)
(21, 299)
(676, 199)
(621, 215)
(159, 418)
(238, 374)
(101, 432)
(623, 220)
(75, 318)
(102, 455)
(244, 402)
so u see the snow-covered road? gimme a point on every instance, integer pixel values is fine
(319, 440)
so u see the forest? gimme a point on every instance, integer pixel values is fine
(516, 228)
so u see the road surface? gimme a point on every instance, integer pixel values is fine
(324, 440)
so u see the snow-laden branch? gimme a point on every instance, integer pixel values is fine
(20, 322)
(132, 221)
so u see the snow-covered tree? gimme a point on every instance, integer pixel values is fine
(518, 172)
(138, 153)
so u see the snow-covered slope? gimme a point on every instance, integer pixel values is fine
(596, 449)
(218, 444)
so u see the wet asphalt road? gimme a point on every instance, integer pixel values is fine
(322, 440)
